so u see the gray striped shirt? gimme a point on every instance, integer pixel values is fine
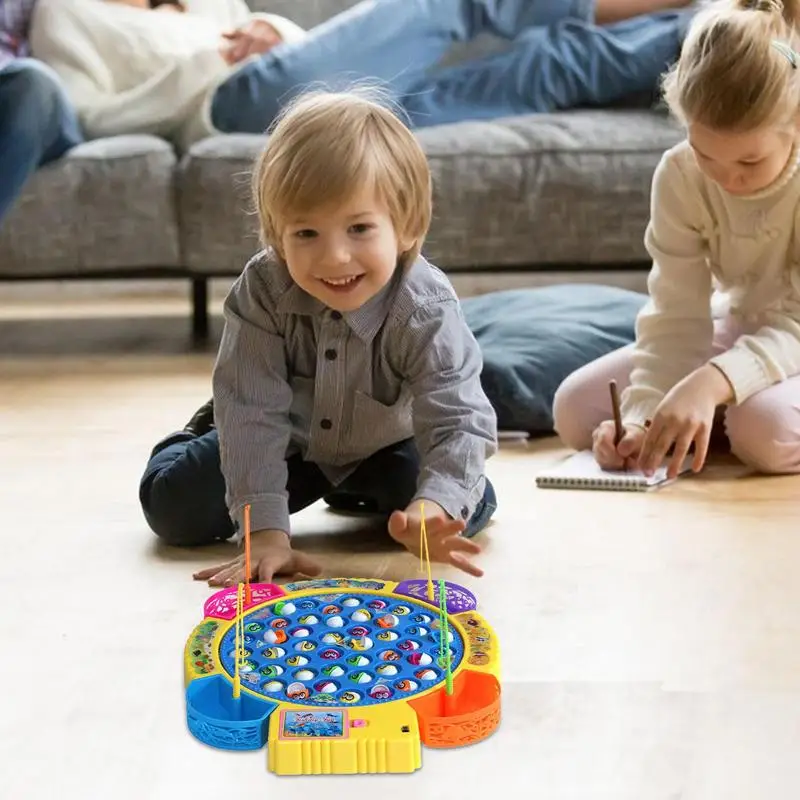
(294, 376)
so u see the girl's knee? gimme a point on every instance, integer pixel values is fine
(764, 436)
(570, 412)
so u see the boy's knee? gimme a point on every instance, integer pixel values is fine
(181, 508)
(569, 407)
(763, 437)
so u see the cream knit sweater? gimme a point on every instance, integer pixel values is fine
(713, 254)
(133, 71)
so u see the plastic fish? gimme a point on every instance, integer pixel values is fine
(297, 691)
(390, 655)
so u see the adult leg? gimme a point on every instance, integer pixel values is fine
(387, 481)
(764, 431)
(570, 64)
(182, 491)
(37, 124)
(389, 42)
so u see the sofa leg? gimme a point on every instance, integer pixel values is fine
(200, 326)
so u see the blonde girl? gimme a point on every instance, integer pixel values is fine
(719, 337)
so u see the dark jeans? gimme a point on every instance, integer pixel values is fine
(182, 491)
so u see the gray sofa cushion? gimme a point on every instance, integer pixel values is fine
(565, 188)
(532, 190)
(219, 231)
(109, 205)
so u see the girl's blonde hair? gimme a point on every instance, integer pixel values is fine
(739, 68)
(325, 147)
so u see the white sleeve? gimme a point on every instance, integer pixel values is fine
(59, 37)
(157, 106)
(770, 355)
(227, 14)
(674, 330)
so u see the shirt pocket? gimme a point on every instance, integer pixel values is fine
(381, 424)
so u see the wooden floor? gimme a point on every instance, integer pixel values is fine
(651, 643)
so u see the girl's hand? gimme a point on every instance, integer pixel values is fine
(625, 455)
(270, 555)
(685, 417)
(445, 543)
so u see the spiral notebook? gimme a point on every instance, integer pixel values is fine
(581, 471)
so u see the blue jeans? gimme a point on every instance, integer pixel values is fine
(182, 491)
(558, 59)
(37, 124)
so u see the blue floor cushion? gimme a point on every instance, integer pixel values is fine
(532, 339)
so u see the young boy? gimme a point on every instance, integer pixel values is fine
(345, 370)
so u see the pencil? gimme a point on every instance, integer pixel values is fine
(618, 429)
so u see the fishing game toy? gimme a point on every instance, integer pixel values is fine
(342, 675)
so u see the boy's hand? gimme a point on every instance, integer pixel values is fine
(625, 455)
(445, 543)
(685, 417)
(270, 554)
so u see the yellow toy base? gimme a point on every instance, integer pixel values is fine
(371, 741)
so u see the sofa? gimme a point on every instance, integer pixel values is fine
(516, 200)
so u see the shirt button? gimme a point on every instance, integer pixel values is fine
(330, 354)
(464, 512)
(326, 424)
(336, 315)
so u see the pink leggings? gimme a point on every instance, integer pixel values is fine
(764, 431)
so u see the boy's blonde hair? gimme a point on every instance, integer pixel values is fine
(739, 68)
(325, 147)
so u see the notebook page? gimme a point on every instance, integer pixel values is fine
(583, 466)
